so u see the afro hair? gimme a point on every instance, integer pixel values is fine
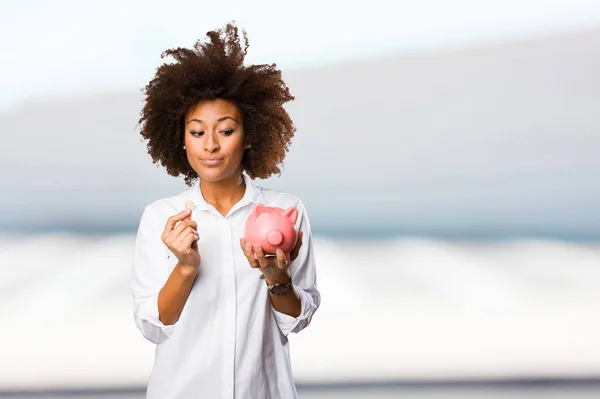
(215, 69)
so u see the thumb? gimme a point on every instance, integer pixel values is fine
(189, 207)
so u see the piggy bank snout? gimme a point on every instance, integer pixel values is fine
(275, 237)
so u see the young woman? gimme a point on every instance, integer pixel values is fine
(219, 315)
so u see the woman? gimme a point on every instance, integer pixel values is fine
(218, 314)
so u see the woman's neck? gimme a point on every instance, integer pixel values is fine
(225, 193)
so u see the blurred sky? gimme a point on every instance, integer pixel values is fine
(70, 47)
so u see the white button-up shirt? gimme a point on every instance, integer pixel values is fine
(229, 341)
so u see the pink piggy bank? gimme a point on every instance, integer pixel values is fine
(272, 228)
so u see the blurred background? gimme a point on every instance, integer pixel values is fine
(447, 154)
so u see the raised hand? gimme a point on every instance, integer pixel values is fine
(181, 237)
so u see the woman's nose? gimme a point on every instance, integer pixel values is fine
(211, 144)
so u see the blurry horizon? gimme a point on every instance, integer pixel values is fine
(500, 153)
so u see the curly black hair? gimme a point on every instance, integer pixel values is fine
(215, 70)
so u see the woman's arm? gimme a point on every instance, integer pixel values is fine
(173, 296)
(159, 297)
(181, 237)
(295, 309)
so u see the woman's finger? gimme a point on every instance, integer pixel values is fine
(172, 221)
(184, 224)
(248, 252)
(294, 252)
(187, 243)
(182, 235)
(175, 237)
(281, 261)
(260, 256)
(244, 245)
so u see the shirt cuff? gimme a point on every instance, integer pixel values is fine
(287, 323)
(152, 328)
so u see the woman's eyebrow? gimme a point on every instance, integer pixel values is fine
(218, 120)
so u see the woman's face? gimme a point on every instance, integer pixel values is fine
(214, 139)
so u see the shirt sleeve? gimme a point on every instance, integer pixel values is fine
(304, 279)
(149, 274)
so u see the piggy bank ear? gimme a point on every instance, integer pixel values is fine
(291, 213)
(258, 210)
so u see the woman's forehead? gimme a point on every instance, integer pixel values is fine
(214, 110)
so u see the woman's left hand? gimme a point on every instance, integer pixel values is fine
(275, 269)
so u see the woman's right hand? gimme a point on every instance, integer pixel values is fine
(181, 237)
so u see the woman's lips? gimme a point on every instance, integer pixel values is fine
(212, 161)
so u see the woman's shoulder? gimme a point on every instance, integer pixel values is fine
(282, 199)
(277, 198)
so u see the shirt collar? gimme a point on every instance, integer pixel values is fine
(252, 195)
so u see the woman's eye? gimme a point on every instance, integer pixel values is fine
(227, 132)
(196, 133)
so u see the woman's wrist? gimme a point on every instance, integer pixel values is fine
(186, 270)
(280, 278)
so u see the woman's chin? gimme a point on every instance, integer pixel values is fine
(213, 174)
